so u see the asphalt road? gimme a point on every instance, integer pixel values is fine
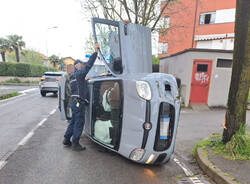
(20, 115)
(40, 157)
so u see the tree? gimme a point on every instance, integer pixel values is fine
(155, 60)
(27, 56)
(16, 44)
(55, 60)
(88, 47)
(4, 47)
(240, 80)
(146, 13)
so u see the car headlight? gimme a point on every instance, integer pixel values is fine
(143, 90)
(137, 154)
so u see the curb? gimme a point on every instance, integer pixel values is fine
(212, 170)
(7, 99)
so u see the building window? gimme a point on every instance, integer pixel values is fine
(207, 18)
(166, 22)
(224, 63)
(163, 48)
(202, 67)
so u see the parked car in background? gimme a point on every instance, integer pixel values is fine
(49, 82)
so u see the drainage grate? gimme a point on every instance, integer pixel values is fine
(184, 181)
(189, 180)
(195, 180)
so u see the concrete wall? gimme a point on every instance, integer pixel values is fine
(182, 65)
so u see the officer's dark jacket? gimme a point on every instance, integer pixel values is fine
(78, 84)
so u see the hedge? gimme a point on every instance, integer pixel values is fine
(23, 69)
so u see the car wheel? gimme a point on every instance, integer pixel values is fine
(43, 93)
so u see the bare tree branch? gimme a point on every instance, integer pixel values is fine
(124, 2)
(136, 11)
(144, 12)
(149, 11)
(162, 10)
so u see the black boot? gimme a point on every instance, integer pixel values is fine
(78, 147)
(67, 142)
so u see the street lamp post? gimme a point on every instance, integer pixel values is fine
(47, 52)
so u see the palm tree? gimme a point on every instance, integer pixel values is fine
(4, 47)
(16, 44)
(54, 60)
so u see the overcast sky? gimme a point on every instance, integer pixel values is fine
(32, 18)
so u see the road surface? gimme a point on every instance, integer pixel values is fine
(31, 149)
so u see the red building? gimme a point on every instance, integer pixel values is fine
(197, 24)
(198, 48)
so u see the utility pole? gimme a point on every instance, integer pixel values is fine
(47, 52)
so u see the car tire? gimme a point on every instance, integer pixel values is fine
(43, 93)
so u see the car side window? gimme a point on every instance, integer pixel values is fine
(109, 42)
(107, 112)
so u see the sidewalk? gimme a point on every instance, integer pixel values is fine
(222, 170)
(238, 169)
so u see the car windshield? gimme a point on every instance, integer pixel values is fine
(107, 109)
(109, 41)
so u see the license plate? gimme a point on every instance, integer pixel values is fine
(164, 124)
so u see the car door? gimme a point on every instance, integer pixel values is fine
(124, 48)
(64, 97)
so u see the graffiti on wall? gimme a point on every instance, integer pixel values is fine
(202, 78)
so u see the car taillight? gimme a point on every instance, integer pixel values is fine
(42, 79)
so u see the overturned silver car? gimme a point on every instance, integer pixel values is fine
(132, 111)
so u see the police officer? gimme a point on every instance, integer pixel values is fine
(79, 90)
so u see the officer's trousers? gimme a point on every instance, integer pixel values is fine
(76, 123)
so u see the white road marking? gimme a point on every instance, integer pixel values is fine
(3, 161)
(41, 122)
(53, 111)
(28, 90)
(26, 138)
(188, 172)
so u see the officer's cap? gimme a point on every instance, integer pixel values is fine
(78, 61)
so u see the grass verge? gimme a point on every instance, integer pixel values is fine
(5, 96)
(238, 148)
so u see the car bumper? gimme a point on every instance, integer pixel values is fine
(49, 89)
(49, 86)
